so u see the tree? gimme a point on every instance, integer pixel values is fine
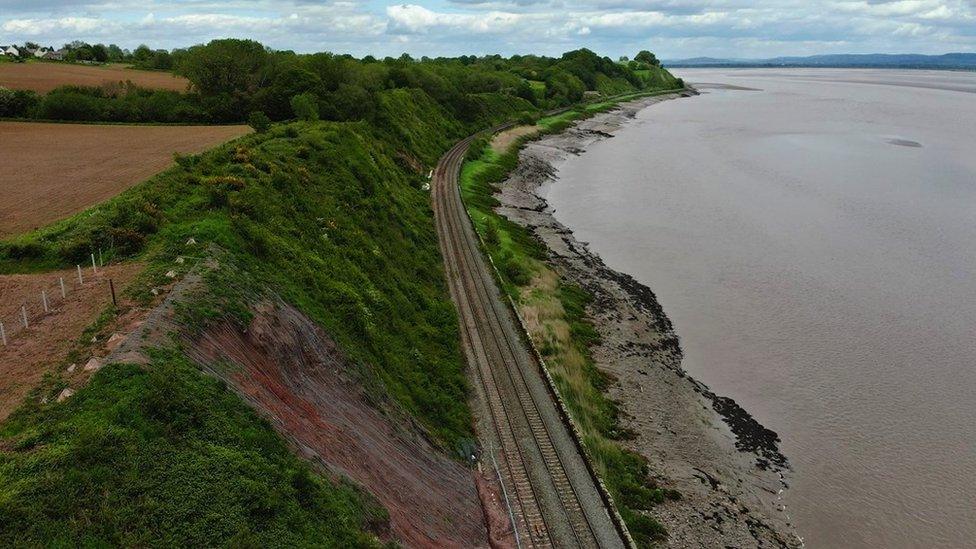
(305, 106)
(115, 53)
(142, 54)
(259, 121)
(647, 58)
(99, 53)
(352, 102)
(224, 66)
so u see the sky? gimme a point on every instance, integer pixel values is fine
(672, 29)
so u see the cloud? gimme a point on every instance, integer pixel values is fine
(672, 28)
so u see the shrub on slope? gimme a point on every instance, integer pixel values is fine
(165, 457)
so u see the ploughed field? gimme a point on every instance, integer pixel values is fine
(51, 171)
(44, 77)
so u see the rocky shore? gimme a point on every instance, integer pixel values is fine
(726, 465)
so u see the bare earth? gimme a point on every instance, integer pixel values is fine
(51, 171)
(726, 466)
(44, 77)
(503, 140)
(32, 352)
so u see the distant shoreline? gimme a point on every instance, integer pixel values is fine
(955, 61)
(670, 66)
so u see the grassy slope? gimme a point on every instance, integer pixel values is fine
(168, 457)
(563, 334)
(331, 216)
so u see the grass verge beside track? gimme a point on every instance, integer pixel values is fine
(557, 322)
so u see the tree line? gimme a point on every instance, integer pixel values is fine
(232, 80)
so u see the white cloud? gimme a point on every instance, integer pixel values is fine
(673, 28)
(36, 27)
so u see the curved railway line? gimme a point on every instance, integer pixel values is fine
(553, 498)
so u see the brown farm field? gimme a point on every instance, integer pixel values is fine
(44, 77)
(50, 171)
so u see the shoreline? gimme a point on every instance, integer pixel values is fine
(726, 465)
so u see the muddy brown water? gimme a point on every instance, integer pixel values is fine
(813, 239)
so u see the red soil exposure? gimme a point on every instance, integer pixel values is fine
(31, 352)
(290, 370)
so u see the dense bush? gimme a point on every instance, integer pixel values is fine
(163, 456)
(125, 102)
(16, 104)
(305, 106)
(259, 121)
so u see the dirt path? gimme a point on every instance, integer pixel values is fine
(553, 497)
(503, 140)
(33, 351)
(51, 171)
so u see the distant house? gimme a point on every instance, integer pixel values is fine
(42, 51)
(52, 55)
(11, 51)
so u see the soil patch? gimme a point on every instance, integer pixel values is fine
(46, 342)
(51, 171)
(44, 77)
(503, 140)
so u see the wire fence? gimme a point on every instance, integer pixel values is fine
(50, 298)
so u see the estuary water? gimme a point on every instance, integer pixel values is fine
(812, 235)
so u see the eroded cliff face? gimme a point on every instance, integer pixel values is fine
(290, 371)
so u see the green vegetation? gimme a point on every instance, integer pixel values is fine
(562, 332)
(232, 78)
(330, 215)
(164, 456)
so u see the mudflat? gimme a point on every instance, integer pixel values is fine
(811, 235)
(726, 465)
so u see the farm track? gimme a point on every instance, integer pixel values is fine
(554, 500)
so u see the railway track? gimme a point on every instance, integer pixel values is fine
(554, 500)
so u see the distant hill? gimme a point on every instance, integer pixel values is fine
(966, 61)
